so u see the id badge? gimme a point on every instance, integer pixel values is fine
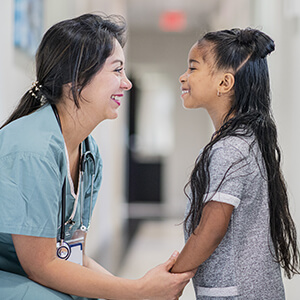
(76, 247)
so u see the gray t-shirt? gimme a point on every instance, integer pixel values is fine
(242, 267)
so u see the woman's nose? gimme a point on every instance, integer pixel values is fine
(126, 83)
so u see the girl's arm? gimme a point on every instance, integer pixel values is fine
(38, 258)
(208, 235)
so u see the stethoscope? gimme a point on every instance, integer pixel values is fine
(64, 250)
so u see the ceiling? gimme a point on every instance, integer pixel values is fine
(143, 15)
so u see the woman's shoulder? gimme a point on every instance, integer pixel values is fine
(35, 134)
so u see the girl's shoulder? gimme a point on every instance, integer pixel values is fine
(236, 147)
(242, 143)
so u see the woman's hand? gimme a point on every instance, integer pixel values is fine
(159, 283)
(37, 256)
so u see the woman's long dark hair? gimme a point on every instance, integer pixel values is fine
(71, 51)
(245, 51)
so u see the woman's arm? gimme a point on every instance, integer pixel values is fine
(38, 258)
(208, 235)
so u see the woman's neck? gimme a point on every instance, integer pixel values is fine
(73, 131)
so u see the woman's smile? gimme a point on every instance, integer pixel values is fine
(114, 98)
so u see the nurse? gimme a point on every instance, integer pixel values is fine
(46, 198)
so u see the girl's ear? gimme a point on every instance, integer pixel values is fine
(226, 83)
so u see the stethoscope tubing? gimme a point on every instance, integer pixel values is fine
(63, 211)
(84, 160)
(64, 246)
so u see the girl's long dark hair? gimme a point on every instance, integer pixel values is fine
(245, 51)
(71, 52)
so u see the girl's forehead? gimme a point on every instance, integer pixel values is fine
(203, 52)
(197, 52)
(194, 50)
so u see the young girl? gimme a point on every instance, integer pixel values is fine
(51, 170)
(238, 227)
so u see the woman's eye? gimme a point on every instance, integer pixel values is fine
(192, 69)
(119, 70)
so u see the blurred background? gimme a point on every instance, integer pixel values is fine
(150, 149)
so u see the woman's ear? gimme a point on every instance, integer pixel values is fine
(226, 83)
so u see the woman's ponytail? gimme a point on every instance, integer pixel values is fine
(31, 101)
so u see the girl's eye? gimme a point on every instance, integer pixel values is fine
(192, 69)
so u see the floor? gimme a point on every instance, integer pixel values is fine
(152, 244)
(155, 241)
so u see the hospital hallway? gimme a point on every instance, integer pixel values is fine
(152, 244)
(149, 151)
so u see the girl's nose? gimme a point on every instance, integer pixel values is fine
(182, 77)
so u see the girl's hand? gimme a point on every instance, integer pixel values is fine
(159, 283)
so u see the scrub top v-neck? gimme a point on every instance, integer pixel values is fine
(33, 165)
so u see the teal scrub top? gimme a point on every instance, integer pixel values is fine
(33, 166)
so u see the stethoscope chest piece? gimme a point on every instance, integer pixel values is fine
(63, 250)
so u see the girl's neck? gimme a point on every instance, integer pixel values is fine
(217, 119)
(219, 112)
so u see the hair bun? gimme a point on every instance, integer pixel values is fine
(245, 37)
(262, 44)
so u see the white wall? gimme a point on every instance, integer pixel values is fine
(16, 71)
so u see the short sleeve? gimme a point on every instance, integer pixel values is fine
(229, 173)
(30, 188)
